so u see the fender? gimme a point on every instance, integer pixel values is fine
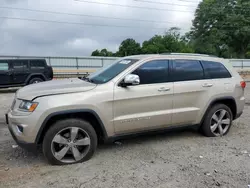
(70, 112)
(35, 74)
(215, 101)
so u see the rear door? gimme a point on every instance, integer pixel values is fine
(191, 91)
(5, 73)
(20, 70)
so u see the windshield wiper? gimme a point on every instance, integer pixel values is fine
(87, 79)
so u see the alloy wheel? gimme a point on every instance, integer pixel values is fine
(220, 122)
(70, 145)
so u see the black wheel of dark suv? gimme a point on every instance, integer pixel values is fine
(218, 121)
(69, 141)
(35, 80)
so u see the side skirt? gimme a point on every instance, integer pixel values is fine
(150, 132)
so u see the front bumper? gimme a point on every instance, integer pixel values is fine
(32, 147)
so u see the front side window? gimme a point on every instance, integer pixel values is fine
(215, 70)
(108, 73)
(153, 72)
(4, 66)
(20, 65)
(185, 70)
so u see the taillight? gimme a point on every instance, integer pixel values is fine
(243, 84)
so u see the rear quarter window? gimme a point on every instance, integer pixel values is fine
(215, 70)
(37, 64)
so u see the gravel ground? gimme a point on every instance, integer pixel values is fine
(174, 159)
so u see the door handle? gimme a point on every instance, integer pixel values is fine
(207, 85)
(163, 89)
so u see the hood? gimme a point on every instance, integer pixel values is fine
(54, 87)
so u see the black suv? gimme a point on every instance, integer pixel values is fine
(20, 72)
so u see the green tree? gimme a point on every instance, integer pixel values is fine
(248, 55)
(172, 41)
(104, 52)
(248, 52)
(222, 28)
(129, 47)
(95, 53)
(154, 45)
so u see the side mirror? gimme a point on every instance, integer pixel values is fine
(131, 79)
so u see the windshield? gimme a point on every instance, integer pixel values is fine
(108, 73)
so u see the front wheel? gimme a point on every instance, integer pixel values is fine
(69, 141)
(218, 121)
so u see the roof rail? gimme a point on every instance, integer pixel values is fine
(190, 54)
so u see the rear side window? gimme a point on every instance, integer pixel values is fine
(153, 72)
(215, 70)
(4, 66)
(185, 70)
(20, 65)
(37, 64)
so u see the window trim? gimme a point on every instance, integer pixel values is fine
(174, 69)
(169, 60)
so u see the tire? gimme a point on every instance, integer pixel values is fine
(213, 128)
(63, 127)
(35, 80)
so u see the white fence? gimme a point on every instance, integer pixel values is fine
(241, 64)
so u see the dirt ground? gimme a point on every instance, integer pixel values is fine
(174, 159)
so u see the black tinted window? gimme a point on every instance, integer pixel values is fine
(215, 70)
(20, 65)
(187, 70)
(153, 72)
(37, 64)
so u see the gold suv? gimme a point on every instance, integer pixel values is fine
(135, 94)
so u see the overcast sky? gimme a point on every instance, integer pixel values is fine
(20, 37)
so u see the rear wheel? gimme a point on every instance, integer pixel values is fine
(69, 141)
(218, 121)
(35, 80)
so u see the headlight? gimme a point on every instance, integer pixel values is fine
(28, 106)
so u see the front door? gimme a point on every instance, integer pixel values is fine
(20, 71)
(5, 74)
(147, 105)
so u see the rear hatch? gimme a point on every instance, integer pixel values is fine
(50, 72)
